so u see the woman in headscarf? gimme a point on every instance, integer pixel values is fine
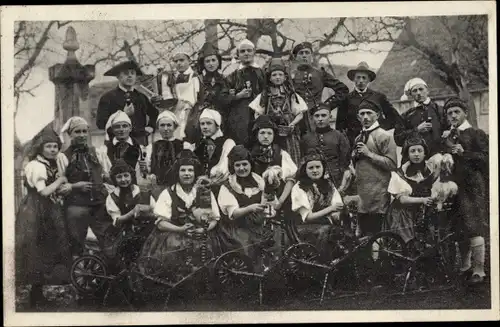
(240, 201)
(317, 202)
(411, 188)
(126, 205)
(212, 150)
(268, 156)
(215, 90)
(41, 237)
(161, 155)
(179, 236)
(85, 193)
(285, 107)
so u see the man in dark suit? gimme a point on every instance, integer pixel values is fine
(425, 119)
(135, 104)
(309, 83)
(347, 119)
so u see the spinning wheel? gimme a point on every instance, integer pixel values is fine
(233, 269)
(150, 266)
(388, 253)
(88, 274)
(300, 258)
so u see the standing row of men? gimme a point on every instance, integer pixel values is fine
(238, 89)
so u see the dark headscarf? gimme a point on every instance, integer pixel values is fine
(455, 102)
(187, 158)
(413, 168)
(304, 180)
(237, 153)
(46, 136)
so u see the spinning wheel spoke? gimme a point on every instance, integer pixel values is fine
(301, 258)
(228, 268)
(88, 274)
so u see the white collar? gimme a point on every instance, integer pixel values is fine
(135, 190)
(129, 141)
(359, 91)
(253, 64)
(188, 71)
(465, 125)
(249, 192)
(372, 127)
(216, 135)
(124, 89)
(188, 198)
(42, 159)
(427, 101)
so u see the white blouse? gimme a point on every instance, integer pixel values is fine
(163, 207)
(302, 204)
(36, 174)
(112, 207)
(399, 187)
(288, 167)
(296, 108)
(228, 202)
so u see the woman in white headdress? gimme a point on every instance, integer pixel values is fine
(85, 193)
(213, 148)
(161, 155)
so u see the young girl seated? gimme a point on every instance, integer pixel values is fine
(317, 201)
(130, 210)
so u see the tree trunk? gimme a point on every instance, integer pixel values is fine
(253, 30)
(211, 32)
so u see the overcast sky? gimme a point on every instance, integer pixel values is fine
(34, 112)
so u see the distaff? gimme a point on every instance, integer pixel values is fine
(85, 193)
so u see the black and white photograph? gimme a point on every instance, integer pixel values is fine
(250, 162)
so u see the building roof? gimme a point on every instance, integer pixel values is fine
(403, 63)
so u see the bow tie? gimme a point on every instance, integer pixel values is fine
(182, 78)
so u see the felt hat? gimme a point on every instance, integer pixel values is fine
(455, 102)
(116, 70)
(369, 104)
(208, 50)
(362, 67)
(263, 121)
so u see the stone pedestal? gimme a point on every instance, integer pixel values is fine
(71, 80)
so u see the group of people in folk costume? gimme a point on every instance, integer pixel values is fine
(249, 145)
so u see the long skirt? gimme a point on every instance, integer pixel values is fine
(42, 248)
(176, 255)
(401, 220)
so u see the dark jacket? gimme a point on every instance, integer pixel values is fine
(114, 100)
(347, 115)
(416, 115)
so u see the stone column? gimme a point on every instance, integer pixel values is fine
(71, 80)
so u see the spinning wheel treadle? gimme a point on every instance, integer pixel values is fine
(228, 266)
(298, 256)
(88, 274)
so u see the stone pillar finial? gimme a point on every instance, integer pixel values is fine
(71, 43)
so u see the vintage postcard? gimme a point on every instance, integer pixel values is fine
(249, 162)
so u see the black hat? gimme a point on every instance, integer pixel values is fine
(455, 102)
(412, 141)
(275, 64)
(320, 106)
(311, 155)
(369, 104)
(116, 70)
(300, 46)
(47, 135)
(187, 157)
(206, 50)
(263, 121)
(238, 153)
(362, 67)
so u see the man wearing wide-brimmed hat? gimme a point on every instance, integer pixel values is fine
(309, 83)
(347, 119)
(126, 98)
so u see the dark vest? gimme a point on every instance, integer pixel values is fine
(163, 156)
(130, 153)
(84, 167)
(201, 152)
(252, 221)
